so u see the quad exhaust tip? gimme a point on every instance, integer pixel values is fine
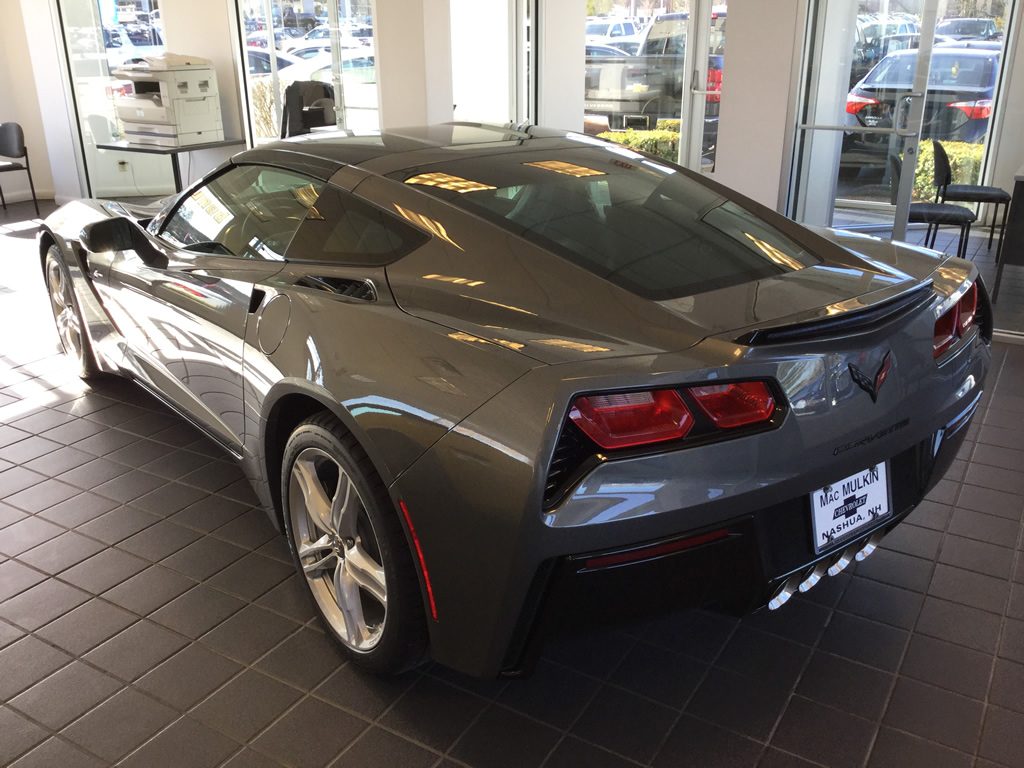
(810, 579)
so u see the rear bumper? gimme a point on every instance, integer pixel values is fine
(736, 566)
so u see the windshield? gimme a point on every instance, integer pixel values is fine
(956, 69)
(964, 27)
(597, 29)
(640, 224)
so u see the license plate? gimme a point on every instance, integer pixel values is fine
(841, 510)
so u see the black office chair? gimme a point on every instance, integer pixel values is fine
(934, 214)
(946, 191)
(12, 144)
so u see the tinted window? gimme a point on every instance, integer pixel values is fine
(948, 69)
(342, 229)
(250, 211)
(642, 225)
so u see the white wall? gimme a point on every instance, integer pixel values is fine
(207, 29)
(1009, 156)
(414, 62)
(561, 63)
(19, 103)
(761, 63)
(483, 63)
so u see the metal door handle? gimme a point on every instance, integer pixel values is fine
(903, 111)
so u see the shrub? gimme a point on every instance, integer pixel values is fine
(964, 160)
(658, 142)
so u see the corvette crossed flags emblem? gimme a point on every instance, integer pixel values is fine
(872, 385)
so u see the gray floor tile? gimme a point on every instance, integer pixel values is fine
(310, 735)
(246, 705)
(66, 695)
(19, 735)
(54, 752)
(133, 652)
(185, 743)
(188, 676)
(119, 725)
(86, 626)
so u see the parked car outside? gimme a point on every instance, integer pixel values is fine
(258, 60)
(502, 381)
(968, 29)
(958, 103)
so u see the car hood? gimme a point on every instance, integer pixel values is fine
(530, 301)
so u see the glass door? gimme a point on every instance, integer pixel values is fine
(99, 37)
(883, 82)
(300, 41)
(654, 82)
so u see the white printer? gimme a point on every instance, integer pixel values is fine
(175, 101)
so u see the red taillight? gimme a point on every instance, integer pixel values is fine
(735, 405)
(975, 110)
(855, 103)
(625, 419)
(956, 322)
(968, 309)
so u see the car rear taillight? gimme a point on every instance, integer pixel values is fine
(628, 419)
(625, 419)
(855, 103)
(735, 405)
(975, 110)
(955, 322)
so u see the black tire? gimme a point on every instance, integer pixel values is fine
(76, 344)
(402, 634)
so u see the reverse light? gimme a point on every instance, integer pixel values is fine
(855, 103)
(735, 405)
(625, 419)
(975, 110)
(955, 322)
(968, 309)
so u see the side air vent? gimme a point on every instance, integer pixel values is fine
(855, 321)
(572, 450)
(340, 286)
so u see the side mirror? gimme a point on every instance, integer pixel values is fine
(108, 235)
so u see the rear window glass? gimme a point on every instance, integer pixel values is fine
(638, 223)
(948, 69)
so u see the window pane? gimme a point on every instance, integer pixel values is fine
(251, 211)
(341, 229)
(329, 42)
(638, 224)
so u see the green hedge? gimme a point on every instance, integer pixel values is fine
(658, 142)
(964, 160)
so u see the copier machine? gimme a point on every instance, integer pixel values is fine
(175, 101)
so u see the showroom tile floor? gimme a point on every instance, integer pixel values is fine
(149, 617)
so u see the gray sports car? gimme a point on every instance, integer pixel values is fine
(492, 382)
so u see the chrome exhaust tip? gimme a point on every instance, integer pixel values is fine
(869, 548)
(813, 578)
(839, 564)
(785, 592)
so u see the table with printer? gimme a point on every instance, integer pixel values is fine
(174, 108)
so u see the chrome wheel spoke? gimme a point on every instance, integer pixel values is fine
(345, 507)
(317, 503)
(322, 550)
(365, 571)
(346, 591)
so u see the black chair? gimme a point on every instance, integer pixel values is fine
(946, 191)
(12, 144)
(308, 104)
(934, 214)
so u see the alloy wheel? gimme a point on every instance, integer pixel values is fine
(337, 548)
(62, 302)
